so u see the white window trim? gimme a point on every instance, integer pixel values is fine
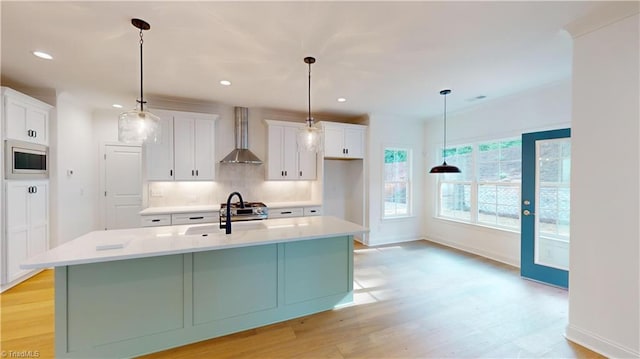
(410, 181)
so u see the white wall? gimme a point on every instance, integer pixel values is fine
(544, 108)
(604, 280)
(389, 131)
(72, 196)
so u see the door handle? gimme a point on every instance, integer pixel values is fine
(527, 212)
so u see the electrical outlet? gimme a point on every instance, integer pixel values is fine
(156, 193)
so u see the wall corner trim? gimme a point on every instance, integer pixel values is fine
(598, 344)
(602, 16)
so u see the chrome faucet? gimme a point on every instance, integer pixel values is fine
(227, 224)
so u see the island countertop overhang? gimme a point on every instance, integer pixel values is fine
(112, 245)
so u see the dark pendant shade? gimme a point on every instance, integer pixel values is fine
(445, 168)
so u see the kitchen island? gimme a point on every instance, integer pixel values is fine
(123, 293)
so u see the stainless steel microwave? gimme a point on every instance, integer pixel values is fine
(24, 160)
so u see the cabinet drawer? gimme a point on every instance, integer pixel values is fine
(286, 212)
(198, 217)
(313, 211)
(157, 220)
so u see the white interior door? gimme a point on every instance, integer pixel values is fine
(123, 186)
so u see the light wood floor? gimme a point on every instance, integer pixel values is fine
(412, 300)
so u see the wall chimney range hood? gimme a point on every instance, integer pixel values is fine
(241, 154)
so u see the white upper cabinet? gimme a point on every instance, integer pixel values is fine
(284, 161)
(342, 140)
(25, 118)
(159, 154)
(185, 151)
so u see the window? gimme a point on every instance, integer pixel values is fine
(487, 191)
(455, 188)
(499, 175)
(397, 182)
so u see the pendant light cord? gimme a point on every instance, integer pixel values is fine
(141, 98)
(309, 120)
(444, 150)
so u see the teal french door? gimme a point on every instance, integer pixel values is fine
(545, 202)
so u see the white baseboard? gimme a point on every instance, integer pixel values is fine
(379, 241)
(599, 344)
(494, 256)
(19, 280)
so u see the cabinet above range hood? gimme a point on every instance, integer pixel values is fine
(241, 154)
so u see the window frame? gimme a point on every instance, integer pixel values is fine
(408, 182)
(474, 184)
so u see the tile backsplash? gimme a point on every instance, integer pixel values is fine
(246, 179)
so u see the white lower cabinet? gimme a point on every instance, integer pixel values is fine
(295, 212)
(312, 211)
(27, 225)
(194, 218)
(286, 212)
(179, 218)
(156, 220)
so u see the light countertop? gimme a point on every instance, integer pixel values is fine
(216, 207)
(105, 246)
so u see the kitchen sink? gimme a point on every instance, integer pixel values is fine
(236, 226)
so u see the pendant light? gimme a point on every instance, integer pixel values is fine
(138, 125)
(444, 167)
(310, 137)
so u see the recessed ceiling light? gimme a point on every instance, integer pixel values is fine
(342, 99)
(225, 82)
(476, 98)
(43, 55)
(116, 105)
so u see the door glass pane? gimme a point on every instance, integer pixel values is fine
(553, 163)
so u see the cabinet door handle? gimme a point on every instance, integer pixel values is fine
(155, 220)
(35, 133)
(300, 173)
(285, 173)
(347, 151)
(285, 212)
(30, 189)
(35, 189)
(171, 173)
(192, 172)
(29, 133)
(282, 173)
(192, 218)
(197, 173)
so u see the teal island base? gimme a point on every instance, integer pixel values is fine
(132, 307)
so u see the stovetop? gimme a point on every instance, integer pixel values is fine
(246, 205)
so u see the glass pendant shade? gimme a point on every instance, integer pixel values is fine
(310, 137)
(138, 126)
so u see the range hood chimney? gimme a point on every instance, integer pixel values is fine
(241, 154)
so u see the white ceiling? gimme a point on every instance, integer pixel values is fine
(384, 57)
